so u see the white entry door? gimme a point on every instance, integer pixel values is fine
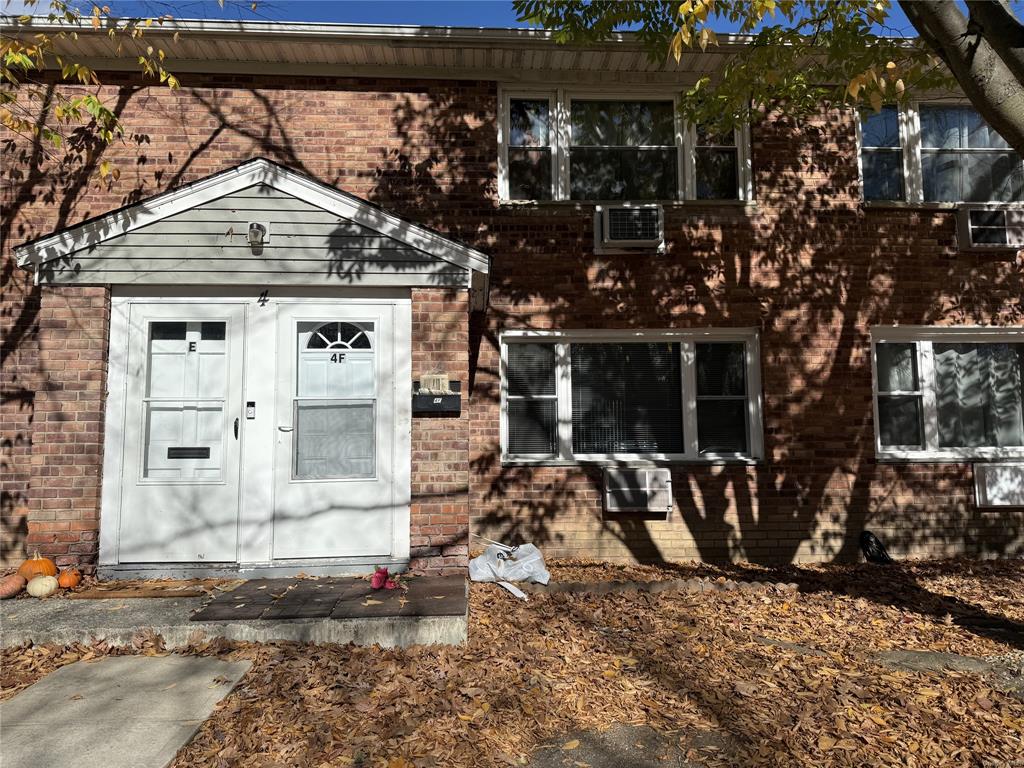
(181, 449)
(334, 484)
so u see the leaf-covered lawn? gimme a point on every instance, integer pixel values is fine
(784, 679)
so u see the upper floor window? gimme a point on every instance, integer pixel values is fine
(530, 159)
(622, 150)
(937, 153)
(559, 146)
(949, 393)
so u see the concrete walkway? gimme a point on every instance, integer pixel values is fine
(64, 621)
(119, 712)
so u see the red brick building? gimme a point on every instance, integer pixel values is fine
(635, 340)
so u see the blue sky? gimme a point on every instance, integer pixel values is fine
(459, 13)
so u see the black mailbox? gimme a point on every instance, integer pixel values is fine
(431, 402)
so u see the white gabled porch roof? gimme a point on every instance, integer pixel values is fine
(89, 236)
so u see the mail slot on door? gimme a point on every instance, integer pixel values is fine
(437, 402)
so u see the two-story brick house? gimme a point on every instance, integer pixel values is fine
(212, 361)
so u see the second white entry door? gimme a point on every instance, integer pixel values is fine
(334, 485)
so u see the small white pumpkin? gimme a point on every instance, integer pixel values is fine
(42, 586)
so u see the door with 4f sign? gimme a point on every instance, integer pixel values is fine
(334, 495)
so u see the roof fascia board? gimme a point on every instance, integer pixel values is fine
(532, 78)
(361, 33)
(258, 171)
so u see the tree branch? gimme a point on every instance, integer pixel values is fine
(983, 75)
(1003, 31)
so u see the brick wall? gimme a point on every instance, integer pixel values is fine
(67, 434)
(807, 265)
(440, 442)
(813, 270)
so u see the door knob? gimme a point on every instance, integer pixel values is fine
(236, 428)
(286, 429)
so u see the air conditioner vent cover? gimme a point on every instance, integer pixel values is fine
(990, 227)
(637, 490)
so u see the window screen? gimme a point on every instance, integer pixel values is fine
(531, 400)
(626, 398)
(899, 394)
(722, 398)
(529, 149)
(622, 150)
(963, 159)
(716, 166)
(881, 155)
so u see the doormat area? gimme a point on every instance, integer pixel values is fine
(336, 598)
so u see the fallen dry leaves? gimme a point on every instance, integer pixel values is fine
(790, 681)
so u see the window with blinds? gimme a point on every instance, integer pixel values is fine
(949, 394)
(577, 398)
(626, 398)
(532, 403)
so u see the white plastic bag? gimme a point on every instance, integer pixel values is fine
(502, 563)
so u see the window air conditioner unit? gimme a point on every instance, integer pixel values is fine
(999, 484)
(637, 490)
(990, 227)
(627, 228)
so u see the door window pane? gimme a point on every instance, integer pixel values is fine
(532, 403)
(186, 385)
(334, 433)
(334, 440)
(626, 398)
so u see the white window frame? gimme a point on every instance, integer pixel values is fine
(910, 146)
(687, 340)
(924, 337)
(560, 131)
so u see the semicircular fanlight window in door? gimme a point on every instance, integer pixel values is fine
(338, 335)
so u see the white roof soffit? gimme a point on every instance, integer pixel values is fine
(357, 49)
(67, 242)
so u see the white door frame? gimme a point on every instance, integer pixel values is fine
(256, 501)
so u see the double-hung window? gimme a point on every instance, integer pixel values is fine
(937, 153)
(558, 145)
(949, 393)
(661, 395)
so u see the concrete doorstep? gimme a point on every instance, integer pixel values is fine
(63, 622)
(116, 712)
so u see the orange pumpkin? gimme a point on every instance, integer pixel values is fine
(69, 578)
(11, 585)
(37, 566)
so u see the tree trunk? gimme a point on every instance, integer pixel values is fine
(985, 53)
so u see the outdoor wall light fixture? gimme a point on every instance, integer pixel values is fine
(257, 236)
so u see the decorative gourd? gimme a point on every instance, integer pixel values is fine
(37, 566)
(11, 585)
(42, 586)
(69, 578)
